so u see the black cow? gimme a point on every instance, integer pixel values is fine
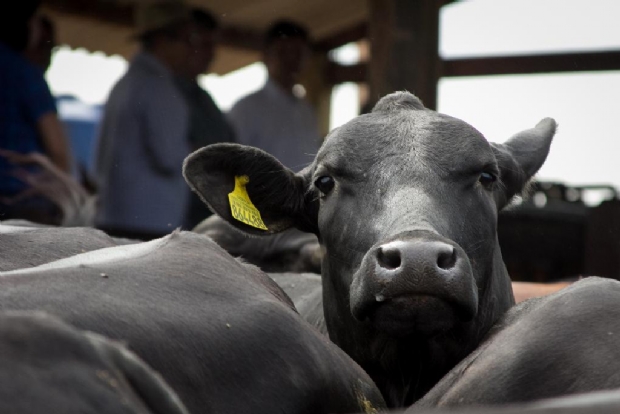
(404, 201)
(288, 251)
(305, 291)
(222, 334)
(567, 342)
(49, 366)
(25, 246)
(601, 402)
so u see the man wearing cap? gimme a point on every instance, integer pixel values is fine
(143, 135)
(207, 125)
(275, 118)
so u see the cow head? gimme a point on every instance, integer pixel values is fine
(405, 203)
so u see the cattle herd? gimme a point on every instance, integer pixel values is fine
(413, 310)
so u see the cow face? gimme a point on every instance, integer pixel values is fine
(405, 203)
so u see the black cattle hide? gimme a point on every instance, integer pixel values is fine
(564, 343)
(221, 333)
(49, 366)
(288, 251)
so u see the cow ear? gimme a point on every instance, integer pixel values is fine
(251, 189)
(521, 157)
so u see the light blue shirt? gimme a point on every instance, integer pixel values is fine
(142, 144)
(279, 123)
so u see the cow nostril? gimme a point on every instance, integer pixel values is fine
(447, 259)
(388, 258)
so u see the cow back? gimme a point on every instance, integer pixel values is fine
(223, 334)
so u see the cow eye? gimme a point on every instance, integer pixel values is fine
(325, 184)
(487, 178)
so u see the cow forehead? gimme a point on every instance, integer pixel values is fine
(421, 137)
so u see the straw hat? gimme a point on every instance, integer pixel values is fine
(160, 15)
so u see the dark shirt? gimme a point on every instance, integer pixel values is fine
(207, 125)
(24, 98)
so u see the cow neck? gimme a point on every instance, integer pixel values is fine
(498, 296)
(406, 369)
(403, 369)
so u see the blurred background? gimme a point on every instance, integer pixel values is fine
(500, 65)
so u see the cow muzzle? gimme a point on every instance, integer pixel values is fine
(416, 283)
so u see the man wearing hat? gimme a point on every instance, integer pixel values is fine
(208, 125)
(143, 135)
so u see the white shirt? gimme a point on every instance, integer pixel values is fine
(277, 122)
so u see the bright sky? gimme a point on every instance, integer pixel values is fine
(586, 105)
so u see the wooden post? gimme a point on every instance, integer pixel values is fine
(404, 37)
(318, 91)
(602, 244)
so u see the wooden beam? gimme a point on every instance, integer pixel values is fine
(241, 38)
(336, 73)
(513, 65)
(351, 34)
(123, 15)
(404, 38)
(103, 11)
(500, 65)
(318, 92)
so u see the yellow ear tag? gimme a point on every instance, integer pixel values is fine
(241, 206)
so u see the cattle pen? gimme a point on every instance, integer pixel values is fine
(559, 238)
(164, 251)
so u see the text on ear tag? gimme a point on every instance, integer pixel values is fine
(241, 206)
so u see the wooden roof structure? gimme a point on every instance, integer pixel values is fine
(403, 37)
(107, 25)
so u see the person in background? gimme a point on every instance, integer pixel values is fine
(207, 124)
(274, 118)
(28, 118)
(78, 118)
(41, 43)
(143, 134)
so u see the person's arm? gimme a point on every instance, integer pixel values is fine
(54, 140)
(41, 109)
(76, 204)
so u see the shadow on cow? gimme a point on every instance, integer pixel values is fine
(49, 366)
